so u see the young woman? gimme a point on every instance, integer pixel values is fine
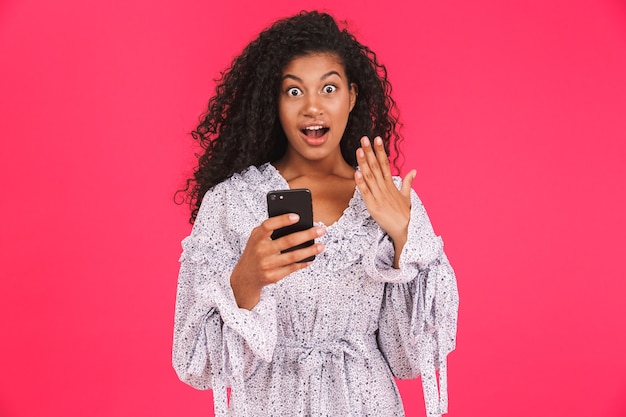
(307, 106)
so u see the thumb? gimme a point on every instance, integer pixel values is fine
(405, 190)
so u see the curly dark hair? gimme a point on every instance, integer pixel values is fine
(241, 126)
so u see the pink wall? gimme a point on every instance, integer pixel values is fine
(515, 117)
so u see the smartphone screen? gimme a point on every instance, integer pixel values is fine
(292, 201)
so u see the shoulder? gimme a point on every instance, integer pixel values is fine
(255, 176)
(250, 178)
(243, 192)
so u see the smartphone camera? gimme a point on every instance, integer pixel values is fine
(273, 197)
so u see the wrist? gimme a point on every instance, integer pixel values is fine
(399, 237)
(246, 296)
(398, 240)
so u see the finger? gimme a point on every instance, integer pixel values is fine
(360, 183)
(379, 175)
(366, 173)
(298, 255)
(276, 222)
(382, 158)
(370, 157)
(405, 190)
(279, 266)
(298, 238)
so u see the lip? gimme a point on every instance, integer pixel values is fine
(314, 141)
(314, 124)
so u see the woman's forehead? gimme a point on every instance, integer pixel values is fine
(316, 62)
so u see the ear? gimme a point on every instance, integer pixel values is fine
(354, 92)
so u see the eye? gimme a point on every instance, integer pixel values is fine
(294, 92)
(329, 88)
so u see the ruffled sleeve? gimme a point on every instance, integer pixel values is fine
(417, 325)
(213, 337)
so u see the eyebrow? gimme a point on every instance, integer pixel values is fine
(323, 77)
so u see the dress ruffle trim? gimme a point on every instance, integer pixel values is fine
(341, 250)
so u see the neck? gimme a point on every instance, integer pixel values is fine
(292, 166)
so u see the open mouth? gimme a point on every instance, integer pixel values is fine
(314, 132)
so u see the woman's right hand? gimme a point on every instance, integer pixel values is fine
(262, 262)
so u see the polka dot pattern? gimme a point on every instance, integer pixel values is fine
(326, 340)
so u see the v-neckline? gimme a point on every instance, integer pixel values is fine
(340, 220)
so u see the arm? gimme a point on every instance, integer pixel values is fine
(418, 319)
(208, 322)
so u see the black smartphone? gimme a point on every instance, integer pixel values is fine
(292, 201)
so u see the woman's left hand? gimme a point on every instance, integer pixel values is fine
(390, 207)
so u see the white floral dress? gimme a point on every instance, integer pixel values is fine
(326, 340)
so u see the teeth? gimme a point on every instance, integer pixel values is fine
(314, 127)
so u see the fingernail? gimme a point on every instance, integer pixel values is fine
(293, 217)
(365, 141)
(378, 140)
(321, 231)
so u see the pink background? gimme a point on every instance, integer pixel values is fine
(515, 117)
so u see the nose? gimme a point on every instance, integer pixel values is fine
(313, 105)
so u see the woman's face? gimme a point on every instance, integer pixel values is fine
(314, 104)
